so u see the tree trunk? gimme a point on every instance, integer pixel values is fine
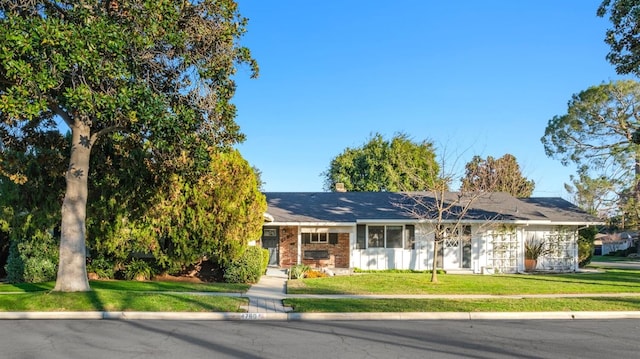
(434, 271)
(72, 268)
(636, 189)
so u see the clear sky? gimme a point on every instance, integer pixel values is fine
(475, 77)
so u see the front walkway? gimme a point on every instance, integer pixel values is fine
(266, 296)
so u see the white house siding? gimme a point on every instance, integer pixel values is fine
(493, 250)
(420, 258)
(384, 258)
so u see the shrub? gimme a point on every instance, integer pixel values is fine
(585, 253)
(585, 245)
(246, 269)
(298, 271)
(265, 260)
(358, 270)
(630, 250)
(102, 267)
(138, 269)
(33, 260)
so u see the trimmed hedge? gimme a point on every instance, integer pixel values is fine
(248, 268)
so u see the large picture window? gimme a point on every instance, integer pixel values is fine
(392, 236)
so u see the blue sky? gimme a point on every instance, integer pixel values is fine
(474, 77)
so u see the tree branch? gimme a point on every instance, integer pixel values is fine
(60, 112)
(105, 131)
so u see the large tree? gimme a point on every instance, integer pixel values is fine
(623, 37)
(600, 134)
(159, 72)
(594, 195)
(496, 175)
(398, 164)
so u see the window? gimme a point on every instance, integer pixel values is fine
(361, 236)
(409, 237)
(376, 237)
(270, 232)
(394, 236)
(390, 237)
(315, 237)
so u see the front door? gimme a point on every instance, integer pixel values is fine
(270, 241)
(272, 245)
(451, 253)
(457, 250)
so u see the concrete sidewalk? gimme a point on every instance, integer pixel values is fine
(266, 296)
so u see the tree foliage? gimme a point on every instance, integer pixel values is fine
(30, 210)
(392, 165)
(158, 72)
(594, 195)
(623, 36)
(496, 175)
(599, 133)
(211, 217)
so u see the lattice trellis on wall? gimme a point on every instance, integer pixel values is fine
(562, 247)
(504, 252)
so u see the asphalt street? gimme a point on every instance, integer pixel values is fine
(99, 339)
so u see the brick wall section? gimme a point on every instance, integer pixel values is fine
(288, 246)
(338, 253)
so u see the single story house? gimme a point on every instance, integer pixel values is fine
(386, 230)
(612, 242)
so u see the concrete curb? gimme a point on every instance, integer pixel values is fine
(318, 316)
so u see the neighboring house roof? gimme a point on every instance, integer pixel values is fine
(351, 207)
(614, 238)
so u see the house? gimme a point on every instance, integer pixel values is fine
(385, 230)
(612, 242)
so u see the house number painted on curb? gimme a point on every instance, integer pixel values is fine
(252, 316)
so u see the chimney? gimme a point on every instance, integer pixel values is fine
(340, 187)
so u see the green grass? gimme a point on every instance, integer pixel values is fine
(172, 296)
(135, 286)
(464, 305)
(123, 296)
(611, 281)
(109, 300)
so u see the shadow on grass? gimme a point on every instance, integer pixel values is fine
(176, 302)
(27, 287)
(136, 286)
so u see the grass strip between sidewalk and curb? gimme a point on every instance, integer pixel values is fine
(305, 305)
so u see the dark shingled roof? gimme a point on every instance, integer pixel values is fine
(348, 207)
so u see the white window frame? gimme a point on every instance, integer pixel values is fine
(320, 237)
(384, 239)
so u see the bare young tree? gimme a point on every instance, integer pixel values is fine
(440, 211)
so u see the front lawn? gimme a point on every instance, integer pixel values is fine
(135, 286)
(124, 296)
(109, 300)
(611, 281)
